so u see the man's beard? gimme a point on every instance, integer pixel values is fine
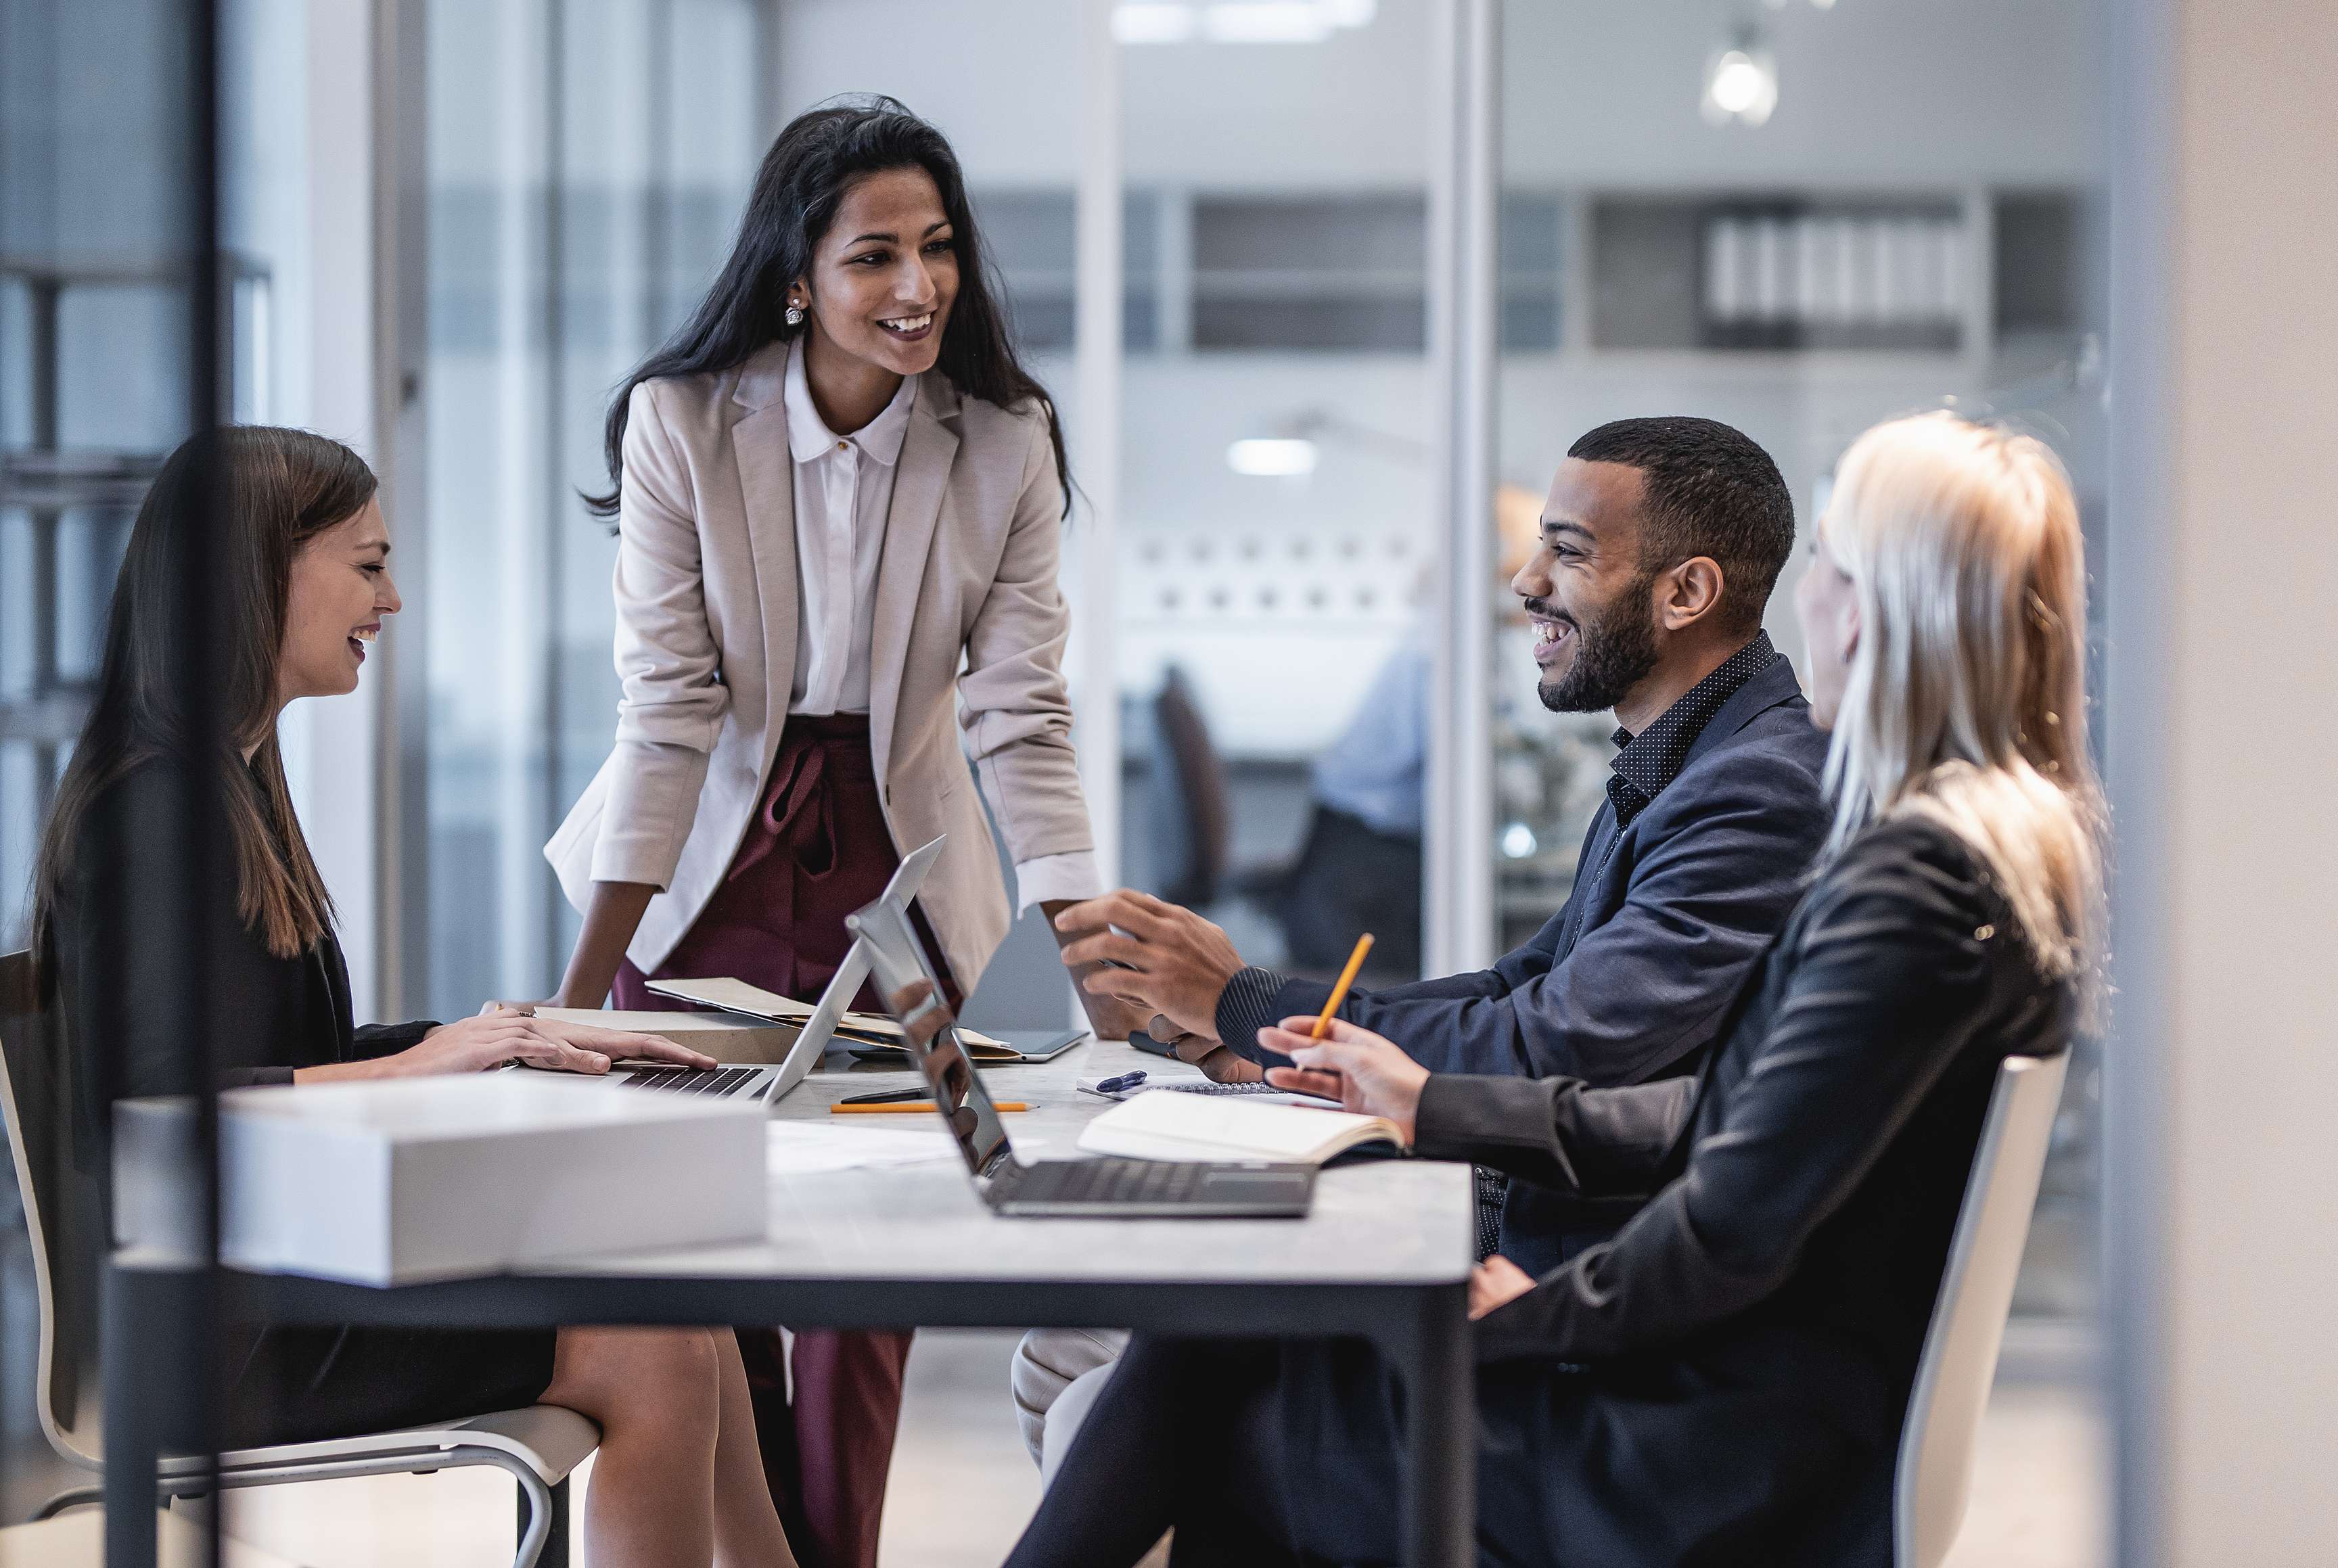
(1613, 652)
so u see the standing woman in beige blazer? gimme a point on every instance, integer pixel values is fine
(838, 501)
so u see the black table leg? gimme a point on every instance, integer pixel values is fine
(1432, 1352)
(556, 1541)
(153, 1361)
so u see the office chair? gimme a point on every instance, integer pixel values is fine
(1194, 817)
(1942, 1429)
(537, 1447)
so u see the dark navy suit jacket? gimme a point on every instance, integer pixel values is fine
(1630, 979)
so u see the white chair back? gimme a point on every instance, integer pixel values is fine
(1943, 1427)
(36, 1097)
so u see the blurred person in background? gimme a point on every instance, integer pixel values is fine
(1359, 868)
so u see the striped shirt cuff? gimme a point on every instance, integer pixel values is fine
(1246, 1006)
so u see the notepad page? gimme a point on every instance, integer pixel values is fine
(1290, 1133)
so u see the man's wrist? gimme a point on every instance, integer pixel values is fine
(1245, 1005)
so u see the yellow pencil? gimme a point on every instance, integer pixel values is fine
(1347, 978)
(906, 1107)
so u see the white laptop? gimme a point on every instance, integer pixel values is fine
(816, 1025)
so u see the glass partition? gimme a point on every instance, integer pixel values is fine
(94, 312)
(1279, 496)
(1800, 219)
(109, 222)
(587, 162)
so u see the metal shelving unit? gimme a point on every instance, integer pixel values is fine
(58, 487)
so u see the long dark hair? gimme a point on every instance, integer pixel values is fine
(797, 190)
(278, 489)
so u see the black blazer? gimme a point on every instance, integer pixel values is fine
(1725, 1379)
(114, 959)
(119, 963)
(1630, 980)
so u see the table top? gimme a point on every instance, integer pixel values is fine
(1406, 1222)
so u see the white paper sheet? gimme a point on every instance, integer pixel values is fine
(809, 1148)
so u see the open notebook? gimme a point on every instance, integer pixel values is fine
(1162, 1125)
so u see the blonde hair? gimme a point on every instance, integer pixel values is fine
(1966, 700)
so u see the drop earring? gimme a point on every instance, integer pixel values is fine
(795, 313)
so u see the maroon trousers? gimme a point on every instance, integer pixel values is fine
(817, 850)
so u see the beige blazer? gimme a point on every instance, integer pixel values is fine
(970, 627)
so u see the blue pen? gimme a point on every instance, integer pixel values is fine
(1126, 1081)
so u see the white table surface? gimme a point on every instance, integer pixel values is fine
(1383, 1254)
(1380, 1223)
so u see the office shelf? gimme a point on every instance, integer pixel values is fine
(65, 481)
(1720, 273)
(76, 502)
(51, 718)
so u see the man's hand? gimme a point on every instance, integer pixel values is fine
(1364, 1072)
(1169, 960)
(1109, 1017)
(1495, 1282)
(1217, 1063)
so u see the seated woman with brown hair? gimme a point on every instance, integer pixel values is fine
(1725, 1379)
(127, 905)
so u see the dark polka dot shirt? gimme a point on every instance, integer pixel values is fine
(1644, 763)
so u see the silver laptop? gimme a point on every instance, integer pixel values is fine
(815, 1031)
(1102, 1188)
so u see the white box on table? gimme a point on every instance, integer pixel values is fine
(393, 1181)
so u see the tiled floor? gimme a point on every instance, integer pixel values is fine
(962, 1487)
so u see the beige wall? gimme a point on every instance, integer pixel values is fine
(2225, 758)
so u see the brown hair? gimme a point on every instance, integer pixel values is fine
(251, 496)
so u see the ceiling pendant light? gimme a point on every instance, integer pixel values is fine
(1740, 83)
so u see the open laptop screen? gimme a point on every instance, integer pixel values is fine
(906, 984)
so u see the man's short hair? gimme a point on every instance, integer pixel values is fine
(1710, 491)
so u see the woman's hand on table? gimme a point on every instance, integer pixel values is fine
(500, 1034)
(1364, 1072)
(607, 1045)
(1495, 1282)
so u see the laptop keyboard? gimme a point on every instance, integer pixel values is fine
(718, 1081)
(1113, 1181)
